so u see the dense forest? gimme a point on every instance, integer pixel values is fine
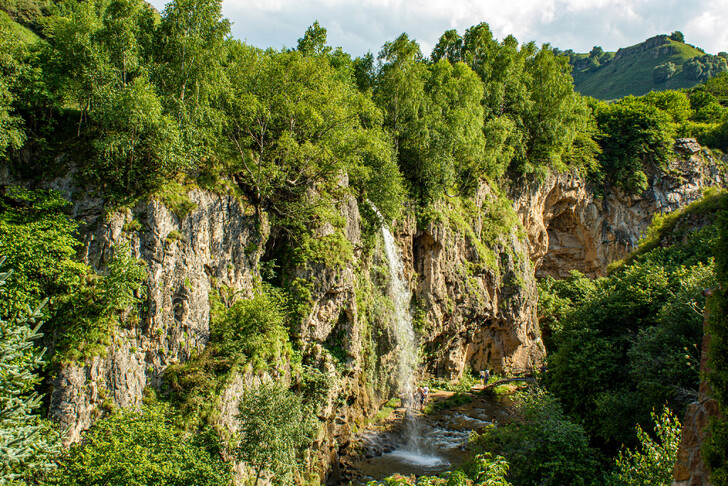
(130, 104)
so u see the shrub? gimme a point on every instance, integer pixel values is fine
(131, 448)
(654, 462)
(275, 427)
(542, 446)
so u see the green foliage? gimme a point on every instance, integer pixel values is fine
(333, 250)
(88, 317)
(533, 120)
(253, 330)
(716, 445)
(636, 135)
(481, 470)
(12, 135)
(28, 444)
(141, 448)
(36, 236)
(626, 342)
(274, 428)
(654, 461)
(625, 337)
(294, 123)
(175, 197)
(250, 334)
(542, 446)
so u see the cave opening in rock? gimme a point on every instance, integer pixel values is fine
(566, 248)
(276, 254)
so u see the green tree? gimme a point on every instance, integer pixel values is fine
(314, 41)
(274, 428)
(12, 135)
(557, 115)
(542, 446)
(654, 462)
(636, 135)
(28, 445)
(190, 50)
(454, 121)
(677, 36)
(449, 46)
(36, 236)
(293, 123)
(140, 448)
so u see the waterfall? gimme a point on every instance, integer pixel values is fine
(403, 330)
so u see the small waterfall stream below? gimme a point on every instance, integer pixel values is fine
(382, 450)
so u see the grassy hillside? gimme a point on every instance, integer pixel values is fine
(23, 33)
(657, 64)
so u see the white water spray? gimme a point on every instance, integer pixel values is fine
(404, 331)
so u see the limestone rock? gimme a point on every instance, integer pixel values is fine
(218, 242)
(569, 228)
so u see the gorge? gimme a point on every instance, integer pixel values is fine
(221, 264)
(480, 317)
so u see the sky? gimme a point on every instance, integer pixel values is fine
(365, 25)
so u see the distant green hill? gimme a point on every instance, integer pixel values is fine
(657, 64)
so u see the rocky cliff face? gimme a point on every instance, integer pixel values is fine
(570, 228)
(473, 283)
(217, 243)
(477, 313)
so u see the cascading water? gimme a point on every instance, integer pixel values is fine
(407, 347)
(402, 319)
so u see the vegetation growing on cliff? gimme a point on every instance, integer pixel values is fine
(625, 337)
(134, 104)
(715, 448)
(28, 444)
(38, 239)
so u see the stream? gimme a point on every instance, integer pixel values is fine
(384, 449)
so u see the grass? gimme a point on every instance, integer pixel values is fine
(175, 197)
(632, 73)
(382, 415)
(450, 402)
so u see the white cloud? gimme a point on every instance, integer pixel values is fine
(359, 26)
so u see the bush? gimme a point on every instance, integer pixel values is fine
(275, 427)
(542, 446)
(131, 448)
(654, 462)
